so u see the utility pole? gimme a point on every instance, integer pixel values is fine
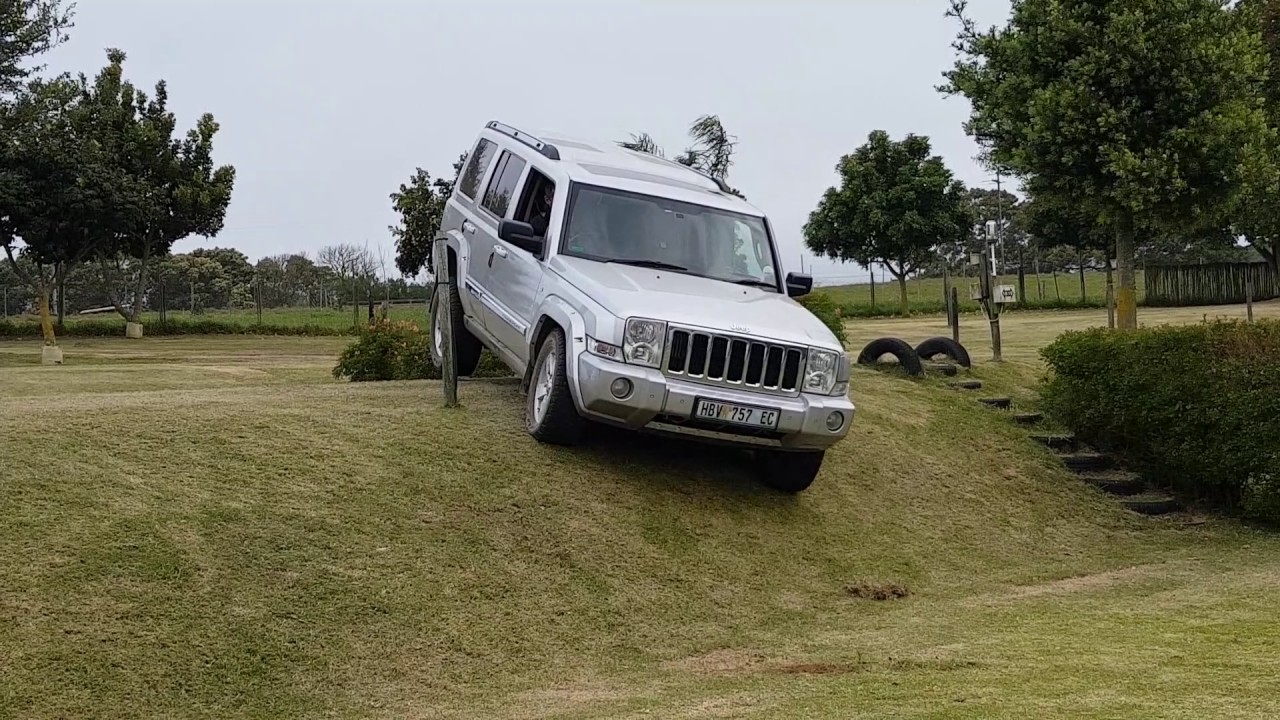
(991, 304)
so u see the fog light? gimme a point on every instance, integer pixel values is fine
(621, 389)
(835, 421)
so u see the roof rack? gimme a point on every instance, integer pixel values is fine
(548, 150)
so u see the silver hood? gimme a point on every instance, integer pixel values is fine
(628, 291)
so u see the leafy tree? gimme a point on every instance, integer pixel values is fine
(352, 267)
(179, 191)
(59, 195)
(1137, 112)
(28, 28)
(1256, 213)
(985, 205)
(235, 267)
(895, 204)
(711, 152)
(420, 203)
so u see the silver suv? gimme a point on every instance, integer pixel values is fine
(631, 290)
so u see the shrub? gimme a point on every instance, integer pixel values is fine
(827, 310)
(1195, 408)
(387, 351)
(399, 350)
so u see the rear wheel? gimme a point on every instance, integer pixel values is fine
(550, 415)
(467, 348)
(789, 472)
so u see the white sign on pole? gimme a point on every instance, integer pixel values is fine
(1006, 294)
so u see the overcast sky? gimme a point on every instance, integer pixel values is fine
(326, 106)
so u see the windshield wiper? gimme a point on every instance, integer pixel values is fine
(655, 264)
(756, 283)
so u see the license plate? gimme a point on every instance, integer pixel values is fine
(736, 414)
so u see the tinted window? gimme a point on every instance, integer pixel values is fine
(476, 167)
(503, 186)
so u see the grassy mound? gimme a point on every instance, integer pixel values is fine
(217, 528)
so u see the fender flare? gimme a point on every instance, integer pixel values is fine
(555, 310)
(458, 245)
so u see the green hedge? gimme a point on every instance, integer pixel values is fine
(1195, 408)
(398, 350)
(826, 310)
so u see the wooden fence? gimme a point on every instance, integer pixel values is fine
(1212, 284)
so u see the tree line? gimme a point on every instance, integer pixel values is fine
(219, 278)
(93, 172)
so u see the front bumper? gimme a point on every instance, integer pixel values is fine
(662, 404)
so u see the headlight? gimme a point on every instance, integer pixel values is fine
(643, 342)
(820, 373)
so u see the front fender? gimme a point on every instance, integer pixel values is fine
(555, 310)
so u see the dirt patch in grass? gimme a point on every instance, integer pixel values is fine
(1081, 583)
(880, 591)
(819, 668)
(717, 662)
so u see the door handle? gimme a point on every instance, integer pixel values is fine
(468, 227)
(500, 251)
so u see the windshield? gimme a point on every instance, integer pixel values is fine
(615, 226)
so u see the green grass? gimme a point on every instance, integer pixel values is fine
(213, 527)
(925, 295)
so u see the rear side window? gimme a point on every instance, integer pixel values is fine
(503, 185)
(476, 167)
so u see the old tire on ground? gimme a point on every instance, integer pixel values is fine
(908, 358)
(789, 472)
(935, 346)
(468, 348)
(550, 415)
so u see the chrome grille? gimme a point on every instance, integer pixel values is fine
(733, 361)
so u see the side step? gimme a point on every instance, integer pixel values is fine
(1152, 504)
(1086, 462)
(1028, 418)
(967, 385)
(999, 403)
(1115, 482)
(944, 369)
(1058, 443)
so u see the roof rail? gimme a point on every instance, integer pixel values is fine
(548, 150)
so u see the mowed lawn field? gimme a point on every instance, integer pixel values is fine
(214, 527)
(925, 295)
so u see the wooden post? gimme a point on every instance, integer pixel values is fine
(444, 286)
(946, 293)
(1111, 296)
(1248, 293)
(873, 287)
(955, 314)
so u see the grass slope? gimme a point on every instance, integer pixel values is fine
(214, 528)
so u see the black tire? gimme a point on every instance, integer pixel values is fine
(468, 347)
(789, 472)
(559, 422)
(933, 347)
(907, 357)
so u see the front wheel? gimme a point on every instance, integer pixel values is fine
(789, 472)
(550, 415)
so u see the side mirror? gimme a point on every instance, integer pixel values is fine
(521, 235)
(799, 284)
